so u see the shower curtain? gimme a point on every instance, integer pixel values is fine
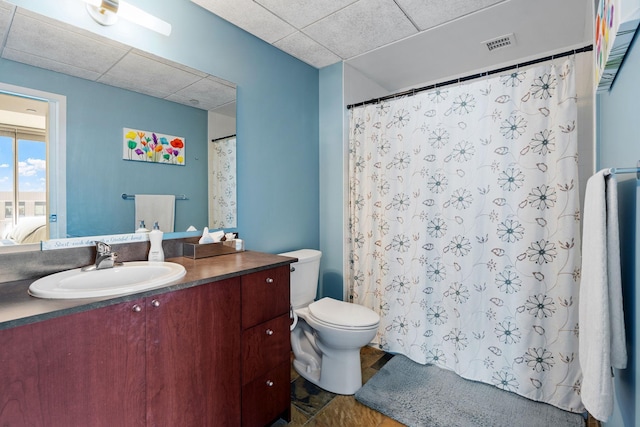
(464, 229)
(222, 183)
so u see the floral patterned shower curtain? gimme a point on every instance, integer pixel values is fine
(464, 229)
(222, 183)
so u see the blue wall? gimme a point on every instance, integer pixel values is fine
(332, 182)
(618, 145)
(277, 113)
(96, 173)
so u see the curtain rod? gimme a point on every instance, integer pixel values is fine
(224, 137)
(411, 92)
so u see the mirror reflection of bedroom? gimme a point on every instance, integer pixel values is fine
(23, 170)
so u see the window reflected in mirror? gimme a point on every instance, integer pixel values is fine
(23, 169)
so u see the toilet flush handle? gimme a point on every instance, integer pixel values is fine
(294, 316)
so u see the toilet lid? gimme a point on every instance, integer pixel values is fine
(342, 313)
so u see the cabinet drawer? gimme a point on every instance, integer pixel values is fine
(265, 295)
(267, 397)
(264, 347)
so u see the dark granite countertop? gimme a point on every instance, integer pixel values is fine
(18, 308)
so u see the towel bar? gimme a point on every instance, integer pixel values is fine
(635, 170)
(133, 196)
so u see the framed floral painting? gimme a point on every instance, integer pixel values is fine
(616, 22)
(152, 147)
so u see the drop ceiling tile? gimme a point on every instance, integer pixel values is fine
(124, 67)
(180, 100)
(49, 64)
(171, 63)
(208, 92)
(71, 28)
(6, 12)
(141, 74)
(360, 27)
(53, 41)
(301, 13)
(304, 48)
(429, 13)
(249, 16)
(221, 81)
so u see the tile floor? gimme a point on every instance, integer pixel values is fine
(313, 407)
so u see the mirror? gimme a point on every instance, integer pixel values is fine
(109, 87)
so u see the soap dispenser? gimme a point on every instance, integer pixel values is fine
(156, 254)
(142, 228)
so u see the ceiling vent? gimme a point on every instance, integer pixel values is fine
(500, 42)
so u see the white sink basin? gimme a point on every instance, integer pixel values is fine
(128, 278)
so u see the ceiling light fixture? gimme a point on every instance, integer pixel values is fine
(106, 12)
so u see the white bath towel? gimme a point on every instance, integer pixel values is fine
(602, 341)
(152, 208)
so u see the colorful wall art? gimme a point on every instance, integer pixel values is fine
(152, 147)
(615, 25)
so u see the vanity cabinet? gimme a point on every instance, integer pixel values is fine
(165, 360)
(213, 354)
(193, 339)
(77, 370)
(266, 371)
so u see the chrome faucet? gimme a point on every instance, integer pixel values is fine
(105, 258)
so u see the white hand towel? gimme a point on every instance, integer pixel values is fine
(152, 208)
(602, 337)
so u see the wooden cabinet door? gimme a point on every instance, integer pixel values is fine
(265, 295)
(267, 397)
(264, 347)
(193, 363)
(84, 369)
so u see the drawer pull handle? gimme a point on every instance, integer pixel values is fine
(155, 303)
(269, 332)
(292, 269)
(269, 383)
(136, 308)
(269, 280)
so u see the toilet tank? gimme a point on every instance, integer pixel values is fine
(304, 276)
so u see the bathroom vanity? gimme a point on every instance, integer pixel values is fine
(210, 350)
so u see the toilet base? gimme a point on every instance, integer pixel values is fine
(305, 371)
(329, 356)
(340, 371)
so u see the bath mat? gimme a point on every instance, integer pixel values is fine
(426, 395)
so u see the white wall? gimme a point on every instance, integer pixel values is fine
(220, 125)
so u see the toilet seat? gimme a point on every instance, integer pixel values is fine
(343, 315)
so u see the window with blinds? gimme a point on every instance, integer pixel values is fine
(23, 175)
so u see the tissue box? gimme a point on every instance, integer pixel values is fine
(195, 250)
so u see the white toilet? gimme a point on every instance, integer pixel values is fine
(326, 335)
